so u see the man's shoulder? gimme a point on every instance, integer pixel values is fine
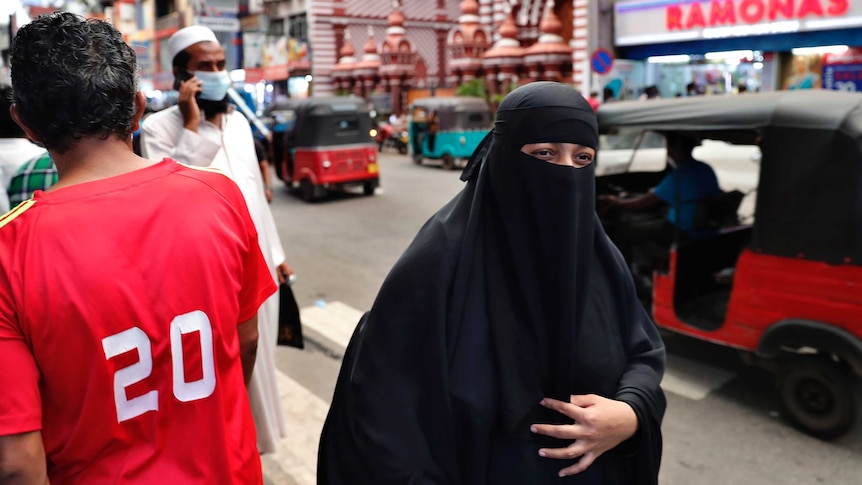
(15, 216)
(214, 178)
(702, 167)
(167, 116)
(202, 173)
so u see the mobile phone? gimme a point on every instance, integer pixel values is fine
(182, 75)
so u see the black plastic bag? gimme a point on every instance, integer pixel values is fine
(289, 324)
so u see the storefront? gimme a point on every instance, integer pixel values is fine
(721, 46)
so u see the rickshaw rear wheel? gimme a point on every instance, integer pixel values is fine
(448, 162)
(818, 397)
(306, 190)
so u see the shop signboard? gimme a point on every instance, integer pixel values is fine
(843, 72)
(656, 21)
(143, 50)
(219, 24)
(275, 58)
(253, 45)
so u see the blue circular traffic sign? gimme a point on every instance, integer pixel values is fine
(602, 61)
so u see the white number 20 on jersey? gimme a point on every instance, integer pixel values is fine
(135, 338)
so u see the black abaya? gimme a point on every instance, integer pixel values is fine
(510, 293)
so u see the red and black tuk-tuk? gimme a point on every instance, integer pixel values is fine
(327, 145)
(782, 284)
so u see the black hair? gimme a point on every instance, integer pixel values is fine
(683, 142)
(181, 60)
(8, 127)
(72, 78)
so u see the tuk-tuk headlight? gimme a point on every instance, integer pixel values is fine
(326, 164)
(373, 133)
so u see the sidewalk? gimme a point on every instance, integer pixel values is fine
(295, 461)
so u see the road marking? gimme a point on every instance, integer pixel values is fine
(295, 461)
(335, 321)
(692, 379)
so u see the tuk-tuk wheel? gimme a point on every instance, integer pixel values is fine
(818, 397)
(368, 188)
(448, 162)
(306, 190)
(417, 159)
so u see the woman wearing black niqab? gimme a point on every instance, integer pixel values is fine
(507, 345)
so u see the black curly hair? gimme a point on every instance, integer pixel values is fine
(73, 77)
(8, 127)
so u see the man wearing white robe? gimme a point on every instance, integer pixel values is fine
(211, 133)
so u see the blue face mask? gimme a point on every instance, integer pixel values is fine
(215, 84)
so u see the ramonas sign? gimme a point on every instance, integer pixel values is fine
(655, 21)
(687, 16)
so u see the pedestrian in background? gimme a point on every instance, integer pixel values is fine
(37, 174)
(127, 320)
(650, 92)
(15, 148)
(205, 130)
(594, 100)
(507, 345)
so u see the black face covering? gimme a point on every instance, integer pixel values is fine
(508, 294)
(539, 243)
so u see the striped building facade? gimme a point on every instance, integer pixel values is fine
(429, 28)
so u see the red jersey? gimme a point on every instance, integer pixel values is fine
(119, 302)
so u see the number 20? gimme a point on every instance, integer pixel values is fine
(135, 338)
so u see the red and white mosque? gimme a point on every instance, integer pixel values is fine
(410, 46)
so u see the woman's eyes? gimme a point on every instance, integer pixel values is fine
(544, 153)
(579, 159)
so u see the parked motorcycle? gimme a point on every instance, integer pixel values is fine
(390, 137)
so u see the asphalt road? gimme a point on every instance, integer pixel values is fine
(721, 427)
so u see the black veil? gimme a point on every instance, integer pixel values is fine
(510, 293)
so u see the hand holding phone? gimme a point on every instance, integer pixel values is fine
(189, 89)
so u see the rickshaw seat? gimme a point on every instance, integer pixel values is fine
(717, 211)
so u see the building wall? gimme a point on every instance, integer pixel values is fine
(427, 23)
(423, 20)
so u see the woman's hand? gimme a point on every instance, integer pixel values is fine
(600, 425)
(609, 199)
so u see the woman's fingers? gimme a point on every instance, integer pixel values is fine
(559, 431)
(586, 460)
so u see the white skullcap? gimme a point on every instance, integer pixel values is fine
(189, 36)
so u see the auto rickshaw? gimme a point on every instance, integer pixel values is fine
(328, 144)
(447, 128)
(777, 270)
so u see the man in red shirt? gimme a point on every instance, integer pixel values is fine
(594, 100)
(128, 291)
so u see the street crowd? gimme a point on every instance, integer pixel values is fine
(139, 295)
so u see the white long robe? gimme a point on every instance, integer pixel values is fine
(231, 148)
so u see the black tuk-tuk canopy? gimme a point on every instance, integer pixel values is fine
(327, 121)
(453, 112)
(809, 198)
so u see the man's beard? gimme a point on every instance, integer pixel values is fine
(212, 108)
